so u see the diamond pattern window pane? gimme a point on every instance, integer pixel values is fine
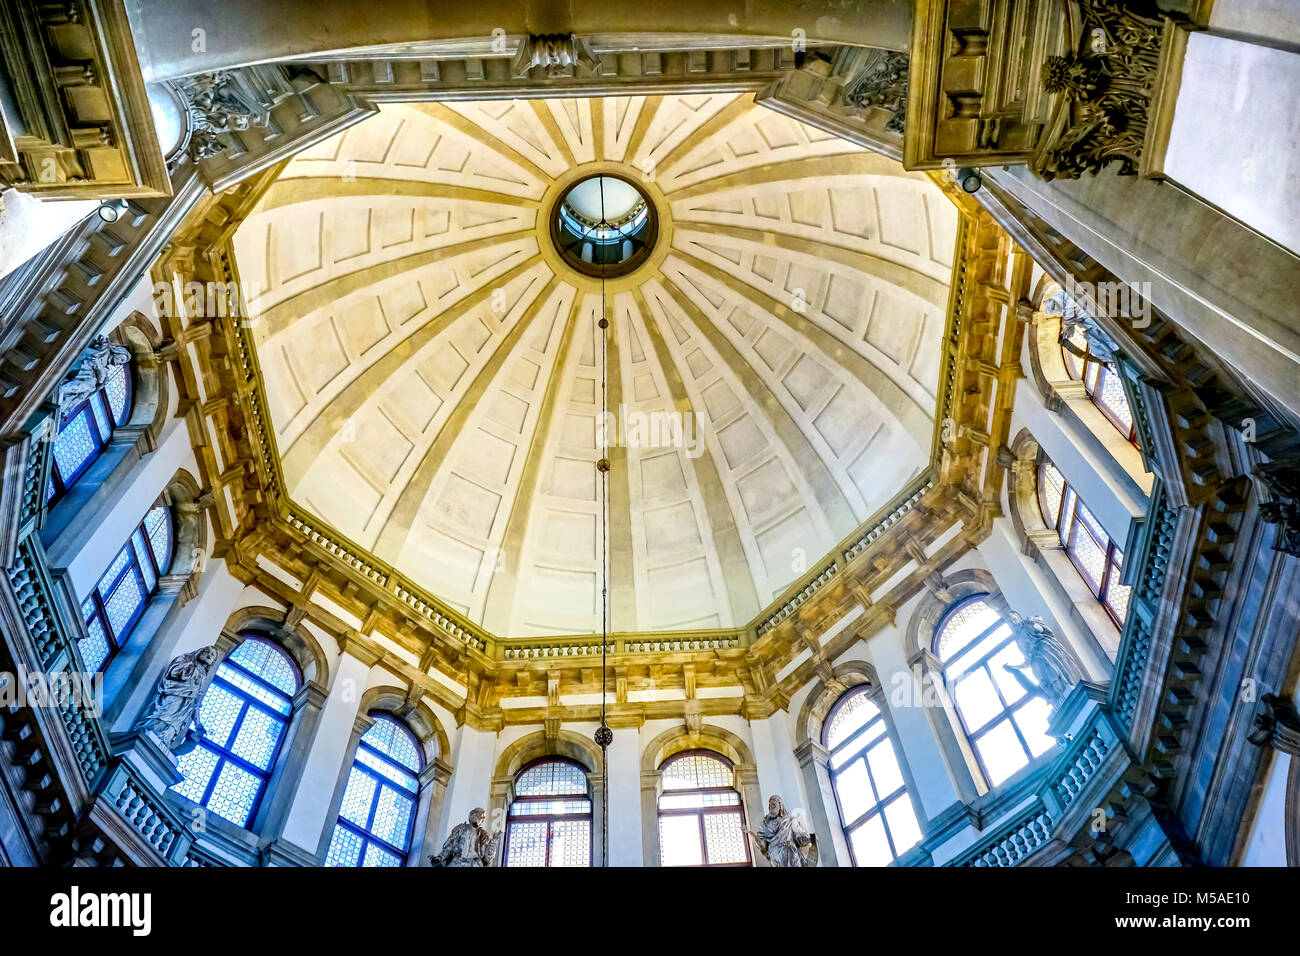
(100, 412)
(197, 766)
(358, 797)
(345, 848)
(679, 841)
(119, 563)
(268, 662)
(371, 759)
(552, 778)
(527, 844)
(853, 710)
(696, 770)
(94, 646)
(142, 559)
(392, 816)
(698, 801)
(158, 523)
(964, 625)
(724, 837)
(393, 741)
(75, 444)
(115, 389)
(235, 793)
(1091, 558)
(218, 713)
(257, 738)
(254, 689)
(122, 604)
(571, 843)
(376, 855)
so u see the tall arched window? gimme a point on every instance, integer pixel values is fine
(119, 599)
(875, 810)
(244, 715)
(1102, 383)
(86, 429)
(1005, 725)
(549, 823)
(378, 810)
(1097, 558)
(701, 820)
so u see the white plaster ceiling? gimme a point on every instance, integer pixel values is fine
(433, 370)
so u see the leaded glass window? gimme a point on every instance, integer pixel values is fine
(701, 820)
(243, 717)
(549, 823)
(875, 810)
(116, 604)
(1101, 381)
(1006, 726)
(85, 429)
(1095, 556)
(378, 809)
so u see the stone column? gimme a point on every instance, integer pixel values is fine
(823, 811)
(425, 838)
(328, 749)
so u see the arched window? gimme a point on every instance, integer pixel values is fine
(374, 826)
(86, 429)
(1102, 383)
(1005, 725)
(701, 820)
(549, 823)
(1096, 557)
(244, 715)
(124, 590)
(875, 810)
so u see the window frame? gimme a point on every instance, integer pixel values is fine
(59, 485)
(1113, 561)
(551, 818)
(366, 835)
(878, 806)
(223, 754)
(950, 685)
(1091, 370)
(98, 612)
(701, 812)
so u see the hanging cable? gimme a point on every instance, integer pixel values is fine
(604, 736)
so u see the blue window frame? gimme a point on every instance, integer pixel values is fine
(244, 715)
(876, 812)
(378, 810)
(114, 607)
(1005, 725)
(86, 429)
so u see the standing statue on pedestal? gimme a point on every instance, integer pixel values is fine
(781, 837)
(176, 704)
(97, 364)
(1054, 669)
(469, 844)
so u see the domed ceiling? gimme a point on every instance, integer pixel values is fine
(433, 364)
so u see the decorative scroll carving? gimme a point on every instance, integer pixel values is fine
(1276, 724)
(219, 103)
(1106, 87)
(883, 84)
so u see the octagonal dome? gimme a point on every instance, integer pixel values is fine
(433, 363)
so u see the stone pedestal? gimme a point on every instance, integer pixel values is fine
(149, 758)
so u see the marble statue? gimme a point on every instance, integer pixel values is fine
(781, 837)
(98, 362)
(176, 705)
(469, 844)
(1053, 668)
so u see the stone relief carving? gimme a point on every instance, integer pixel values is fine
(782, 838)
(97, 363)
(557, 54)
(176, 703)
(1283, 511)
(882, 83)
(1106, 85)
(219, 103)
(469, 844)
(1052, 669)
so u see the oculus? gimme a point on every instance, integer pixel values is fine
(604, 226)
